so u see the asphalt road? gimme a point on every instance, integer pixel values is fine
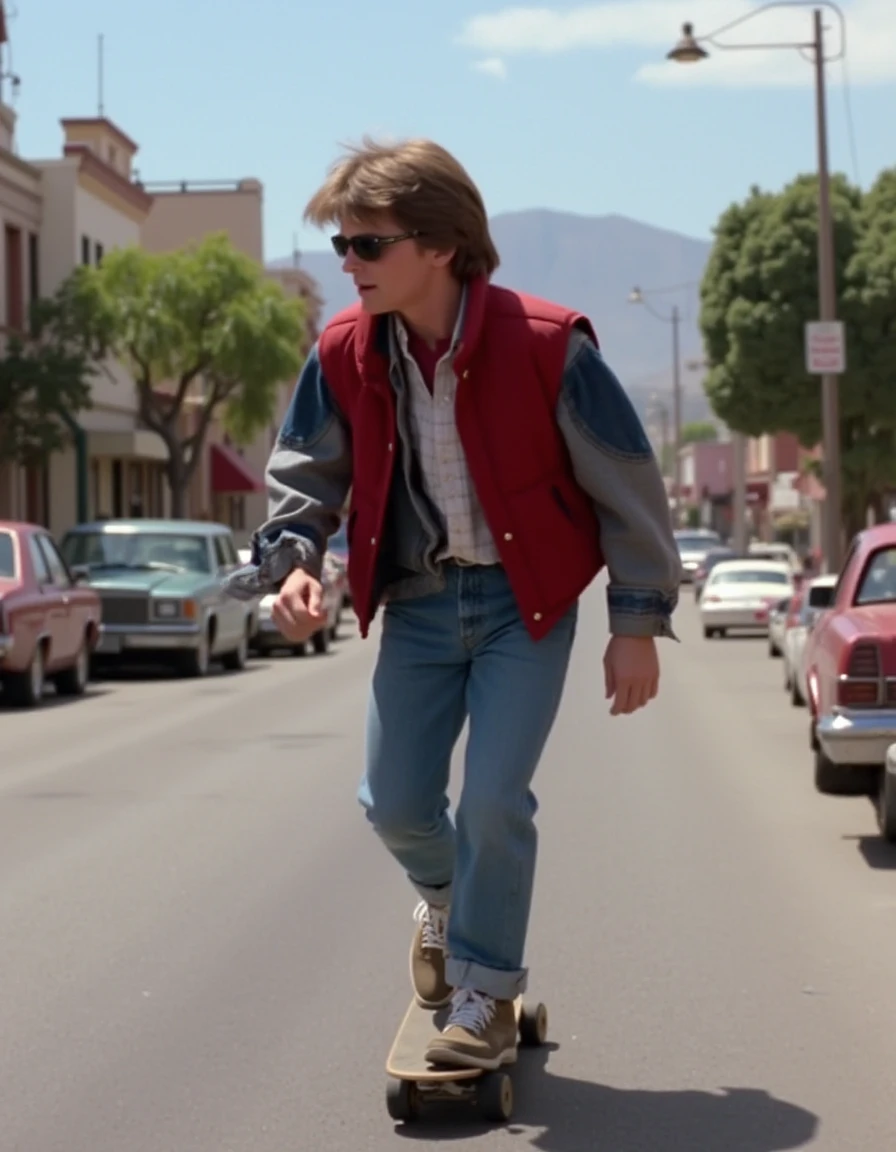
(204, 948)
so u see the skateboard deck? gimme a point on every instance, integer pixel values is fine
(413, 1079)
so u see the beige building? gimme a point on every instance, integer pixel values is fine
(23, 492)
(91, 206)
(229, 483)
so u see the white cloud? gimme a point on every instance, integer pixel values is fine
(654, 25)
(491, 66)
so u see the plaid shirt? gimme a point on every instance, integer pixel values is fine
(442, 461)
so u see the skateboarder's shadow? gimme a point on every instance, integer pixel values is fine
(577, 1116)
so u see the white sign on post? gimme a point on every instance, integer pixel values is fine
(825, 347)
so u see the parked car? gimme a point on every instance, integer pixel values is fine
(49, 622)
(776, 550)
(714, 556)
(851, 673)
(739, 595)
(777, 623)
(693, 545)
(804, 610)
(337, 545)
(269, 638)
(161, 591)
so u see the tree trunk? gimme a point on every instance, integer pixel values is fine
(177, 482)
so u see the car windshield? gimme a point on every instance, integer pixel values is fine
(879, 582)
(137, 550)
(750, 576)
(7, 556)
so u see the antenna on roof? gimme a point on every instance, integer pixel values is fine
(99, 75)
(295, 250)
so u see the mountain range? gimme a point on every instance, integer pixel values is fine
(592, 263)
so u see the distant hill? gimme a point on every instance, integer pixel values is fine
(590, 263)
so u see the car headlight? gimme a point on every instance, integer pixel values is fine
(174, 609)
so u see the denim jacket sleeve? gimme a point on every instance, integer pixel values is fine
(615, 465)
(308, 476)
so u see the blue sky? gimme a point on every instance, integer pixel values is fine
(558, 106)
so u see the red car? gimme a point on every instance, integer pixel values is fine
(49, 623)
(851, 674)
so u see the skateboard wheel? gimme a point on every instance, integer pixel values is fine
(401, 1099)
(533, 1025)
(495, 1096)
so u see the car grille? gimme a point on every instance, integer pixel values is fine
(125, 610)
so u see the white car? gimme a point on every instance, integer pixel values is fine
(693, 544)
(776, 551)
(740, 593)
(795, 637)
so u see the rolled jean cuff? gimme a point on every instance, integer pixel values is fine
(494, 982)
(440, 897)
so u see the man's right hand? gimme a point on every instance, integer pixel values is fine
(299, 610)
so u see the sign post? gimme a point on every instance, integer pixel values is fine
(825, 348)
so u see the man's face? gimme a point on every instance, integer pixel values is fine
(390, 277)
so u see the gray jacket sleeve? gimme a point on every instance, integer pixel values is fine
(615, 465)
(308, 476)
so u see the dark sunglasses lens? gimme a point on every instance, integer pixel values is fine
(364, 247)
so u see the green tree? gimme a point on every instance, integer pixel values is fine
(45, 377)
(761, 287)
(200, 330)
(699, 432)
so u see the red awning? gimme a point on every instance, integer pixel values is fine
(231, 473)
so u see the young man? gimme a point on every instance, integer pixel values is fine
(494, 462)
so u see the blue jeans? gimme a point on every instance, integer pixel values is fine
(465, 652)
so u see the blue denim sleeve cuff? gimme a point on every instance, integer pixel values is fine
(641, 612)
(272, 561)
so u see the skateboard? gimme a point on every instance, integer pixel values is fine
(413, 1081)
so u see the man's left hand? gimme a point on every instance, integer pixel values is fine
(632, 673)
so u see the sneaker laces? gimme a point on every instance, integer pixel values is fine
(435, 923)
(472, 1011)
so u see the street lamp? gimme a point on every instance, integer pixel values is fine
(690, 50)
(637, 296)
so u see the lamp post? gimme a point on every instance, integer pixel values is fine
(638, 296)
(689, 50)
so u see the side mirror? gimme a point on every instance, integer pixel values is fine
(80, 573)
(820, 597)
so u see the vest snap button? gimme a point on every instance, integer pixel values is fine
(373, 540)
(466, 373)
(536, 616)
(508, 535)
(390, 446)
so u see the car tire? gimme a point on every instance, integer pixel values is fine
(886, 797)
(837, 779)
(320, 642)
(237, 660)
(196, 663)
(26, 689)
(73, 681)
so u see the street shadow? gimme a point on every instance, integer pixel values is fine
(580, 1116)
(876, 852)
(52, 701)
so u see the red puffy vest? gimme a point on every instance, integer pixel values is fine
(509, 367)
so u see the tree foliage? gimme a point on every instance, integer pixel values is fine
(761, 287)
(699, 432)
(45, 378)
(204, 334)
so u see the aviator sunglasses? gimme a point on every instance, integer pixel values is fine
(367, 247)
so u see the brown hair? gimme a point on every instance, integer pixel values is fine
(423, 187)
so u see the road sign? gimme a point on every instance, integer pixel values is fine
(825, 347)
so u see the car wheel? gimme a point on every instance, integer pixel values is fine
(886, 797)
(837, 779)
(236, 660)
(320, 642)
(26, 689)
(73, 681)
(796, 697)
(196, 663)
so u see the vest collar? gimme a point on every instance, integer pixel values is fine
(372, 334)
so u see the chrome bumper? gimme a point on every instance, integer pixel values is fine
(742, 618)
(114, 639)
(857, 737)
